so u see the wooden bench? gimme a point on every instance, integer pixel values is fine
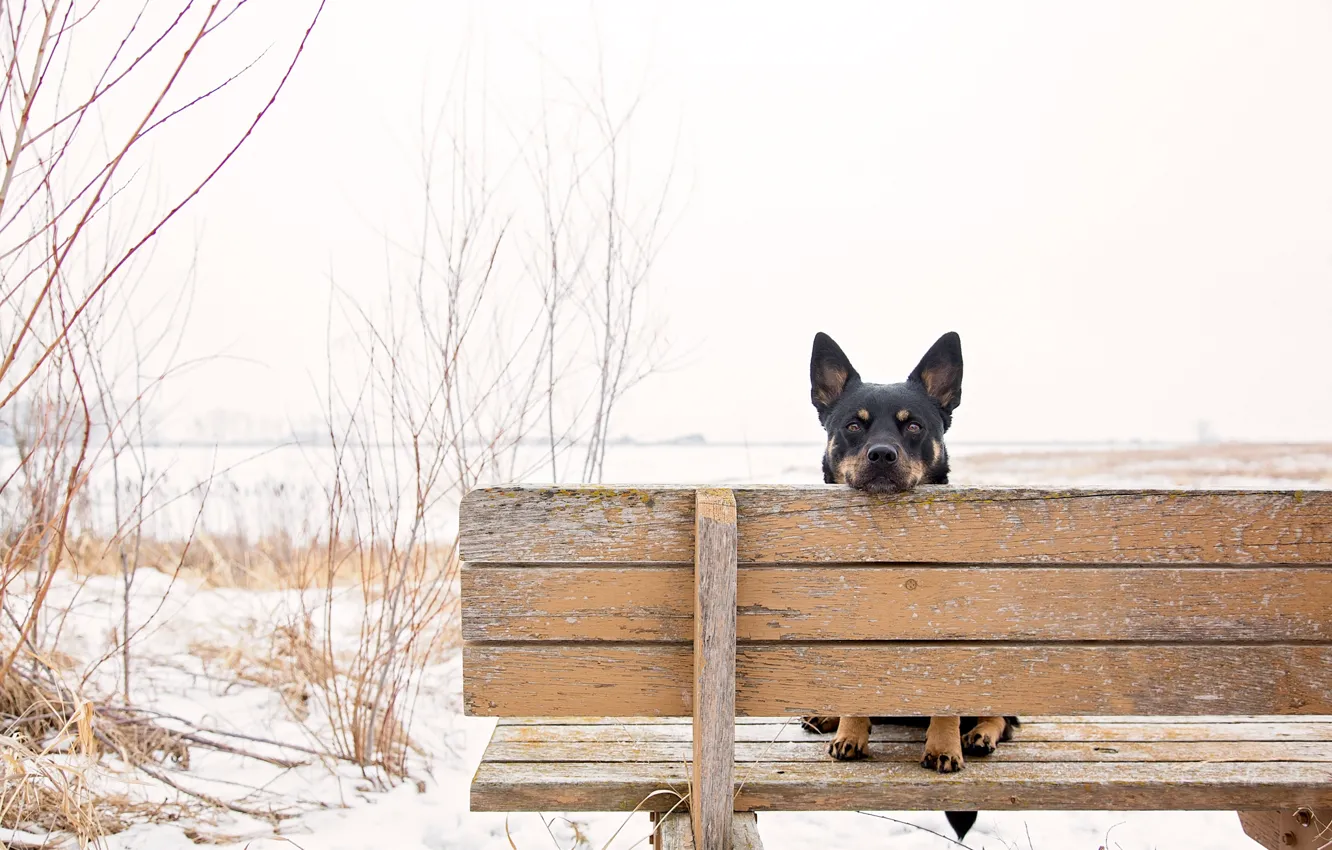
(1167, 650)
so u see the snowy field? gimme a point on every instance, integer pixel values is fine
(197, 637)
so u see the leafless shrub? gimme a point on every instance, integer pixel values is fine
(86, 87)
(500, 351)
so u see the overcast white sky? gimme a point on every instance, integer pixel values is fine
(1125, 209)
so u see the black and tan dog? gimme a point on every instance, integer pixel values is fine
(888, 438)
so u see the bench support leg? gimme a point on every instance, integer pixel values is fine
(1302, 829)
(675, 832)
(712, 793)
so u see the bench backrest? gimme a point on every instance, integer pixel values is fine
(942, 601)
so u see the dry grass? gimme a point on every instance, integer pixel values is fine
(287, 660)
(49, 747)
(274, 562)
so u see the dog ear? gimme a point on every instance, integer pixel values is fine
(830, 373)
(940, 372)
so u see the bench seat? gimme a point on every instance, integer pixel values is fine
(1078, 763)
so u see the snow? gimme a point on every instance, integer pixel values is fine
(189, 629)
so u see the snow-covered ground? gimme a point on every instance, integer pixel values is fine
(198, 637)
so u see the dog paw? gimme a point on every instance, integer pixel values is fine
(983, 738)
(943, 759)
(849, 747)
(818, 724)
(979, 742)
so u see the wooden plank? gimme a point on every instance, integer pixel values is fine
(878, 785)
(1303, 829)
(745, 831)
(825, 523)
(1304, 720)
(918, 602)
(1092, 732)
(561, 679)
(990, 679)
(979, 525)
(676, 833)
(578, 603)
(1036, 603)
(582, 524)
(714, 669)
(814, 750)
(906, 678)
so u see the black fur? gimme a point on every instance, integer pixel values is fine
(889, 438)
(860, 417)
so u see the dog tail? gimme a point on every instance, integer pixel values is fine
(961, 822)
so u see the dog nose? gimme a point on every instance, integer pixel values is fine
(883, 454)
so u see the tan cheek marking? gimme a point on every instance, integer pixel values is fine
(917, 470)
(903, 415)
(847, 470)
(862, 415)
(936, 448)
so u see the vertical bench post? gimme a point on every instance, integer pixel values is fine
(713, 788)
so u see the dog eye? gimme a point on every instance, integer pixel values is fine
(854, 426)
(913, 427)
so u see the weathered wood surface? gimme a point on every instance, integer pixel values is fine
(1027, 720)
(746, 832)
(1064, 730)
(578, 603)
(582, 524)
(906, 678)
(920, 602)
(930, 524)
(714, 669)
(1302, 829)
(845, 786)
(1057, 763)
(816, 750)
(676, 833)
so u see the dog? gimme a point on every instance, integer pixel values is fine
(888, 438)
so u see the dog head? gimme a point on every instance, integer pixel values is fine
(886, 438)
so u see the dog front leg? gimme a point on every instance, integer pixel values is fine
(851, 740)
(983, 738)
(943, 745)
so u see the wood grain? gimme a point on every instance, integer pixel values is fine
(815, 749)
(1040, 719)
(578, 603)
(714, 669)
(821, 524)
(906, 678)
(564, 679)
(676, 832)
(579, 524)
(877, 785)
(1287, 830)
(1068, 730)
(917, 602)
(745, 831)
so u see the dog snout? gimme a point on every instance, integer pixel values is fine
(884, 455)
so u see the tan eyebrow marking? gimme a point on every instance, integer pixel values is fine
(903, 415)
(862, 414)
